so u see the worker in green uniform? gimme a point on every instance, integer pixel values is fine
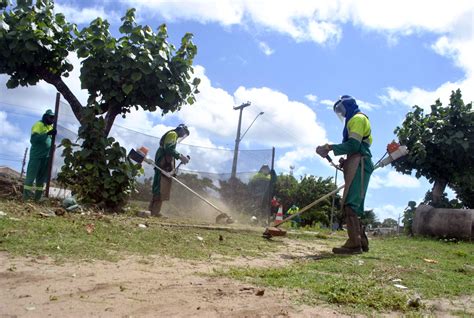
(296, 221)
(357, 166)
(37, 171)
(165, 159)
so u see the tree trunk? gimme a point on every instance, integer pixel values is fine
(57, 82)
(438, 190)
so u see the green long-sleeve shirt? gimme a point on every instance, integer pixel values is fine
(40, 140)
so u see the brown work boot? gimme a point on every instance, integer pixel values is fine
(353, 244)
(364, 240)
(155, 207)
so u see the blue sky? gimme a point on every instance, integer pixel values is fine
(292, 60)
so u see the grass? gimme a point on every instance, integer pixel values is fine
(365, 283)
(113, 237)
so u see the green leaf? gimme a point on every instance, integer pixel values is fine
(126, 28)
(98, 43)
(136, 76)
(196, 81)
(31, 46)
(82, 52)
(127, 88)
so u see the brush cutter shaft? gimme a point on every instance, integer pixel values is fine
(181, 183)
(309, 206)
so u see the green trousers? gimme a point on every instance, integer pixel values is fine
(36, 173)
(356, 195)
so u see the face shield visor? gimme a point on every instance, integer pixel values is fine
(182, 132)
(340, 110)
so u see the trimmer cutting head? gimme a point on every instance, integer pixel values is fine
(224, 219)
(273, 231)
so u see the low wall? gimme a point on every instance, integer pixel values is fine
(446, 223)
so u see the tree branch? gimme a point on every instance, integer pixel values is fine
(113, 111)
(57, 82)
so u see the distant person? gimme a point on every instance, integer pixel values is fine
(296, 221)
(165, 159)
(357, 166)
(37, 171)
(274, 206)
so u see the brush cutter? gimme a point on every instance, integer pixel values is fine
(139, 157)
(394, 150)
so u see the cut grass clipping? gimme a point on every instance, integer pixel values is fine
(367, 282)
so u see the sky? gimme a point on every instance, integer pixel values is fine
(292, 60)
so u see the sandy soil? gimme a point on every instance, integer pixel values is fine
(159, 286)
(144, 287)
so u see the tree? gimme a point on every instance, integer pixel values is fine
(368, 218)
(441, 146)
(389, 223)
(302, 193)
(408, 216)
(443, 202)
(140, 69)
(285, 190)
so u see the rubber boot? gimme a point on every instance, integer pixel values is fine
(364, 240)
(353, 244)
(155, 207)
(27, 194)
(38, 195)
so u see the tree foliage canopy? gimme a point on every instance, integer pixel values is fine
(301, 193)
(441, 146)
(139, 69)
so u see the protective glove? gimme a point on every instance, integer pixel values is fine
(341, 162)
(52, 132)
(323, 150)
(184, 159)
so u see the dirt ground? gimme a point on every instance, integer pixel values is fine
(144, 287)
(159, 286)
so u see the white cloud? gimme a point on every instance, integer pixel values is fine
(265, 48)
(392, 179)
(318, 21)
(425, 98)
(311, 97)
(328, 103)
(7, 129)
(321, 22)
(85, 15)
(366, 106)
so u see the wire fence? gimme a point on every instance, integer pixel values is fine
(209, 170)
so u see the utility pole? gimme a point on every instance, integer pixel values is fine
(398, 224)
(23, 163)
(237, 140)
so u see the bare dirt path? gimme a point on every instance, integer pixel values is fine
(154, 286)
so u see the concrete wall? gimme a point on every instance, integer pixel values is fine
(446, 223)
